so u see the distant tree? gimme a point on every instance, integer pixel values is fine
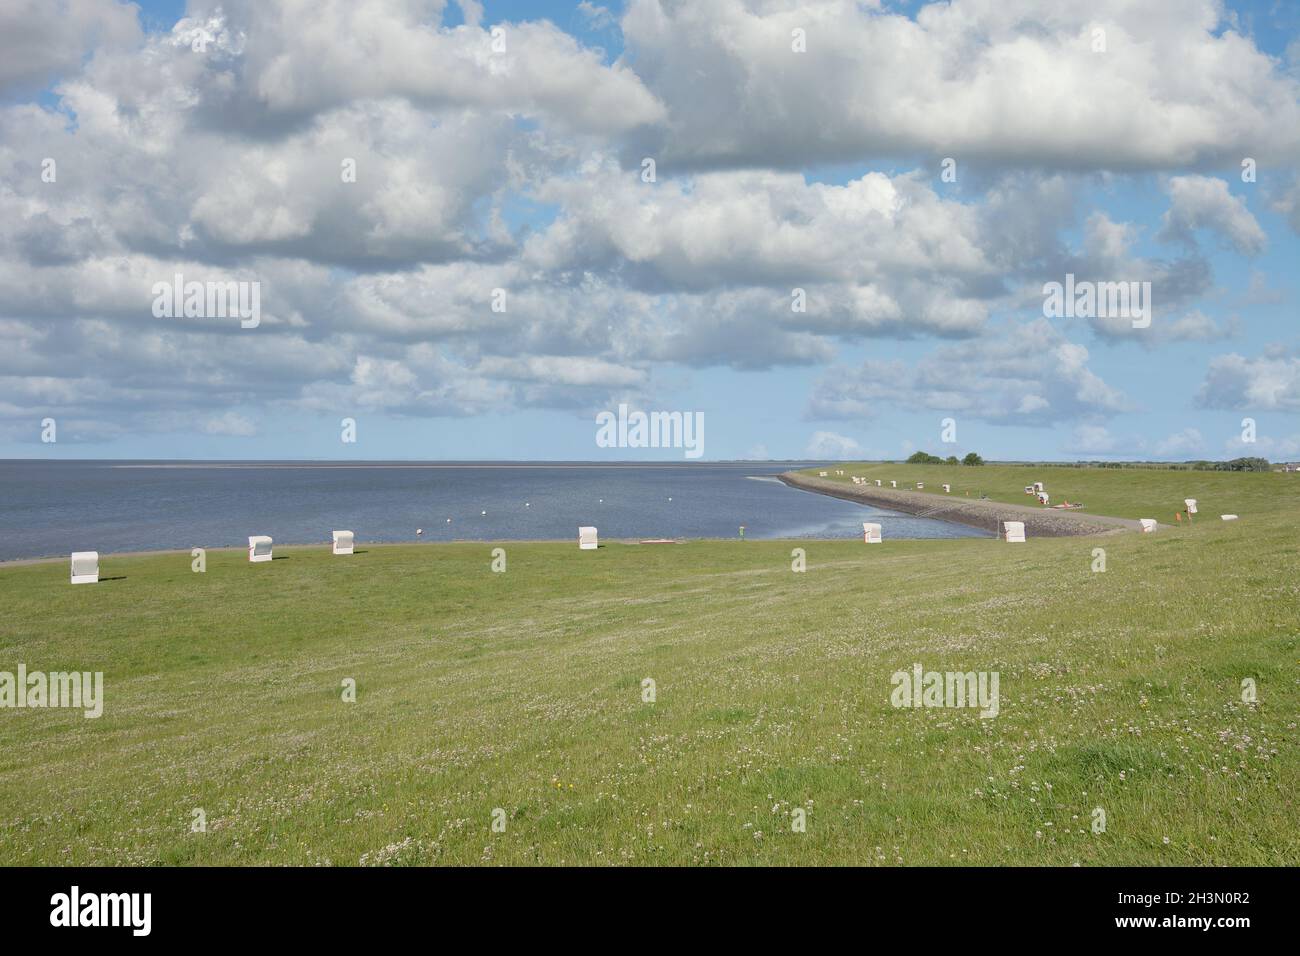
(972, 459)
(1245, 464)
(952, 460)
(924, 458)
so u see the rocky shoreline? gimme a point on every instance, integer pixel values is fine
(972, 512)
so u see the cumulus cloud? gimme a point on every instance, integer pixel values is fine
(387, 180)
(1091, 440)
(952, 82)
(1203, 202)
(1026, 374)
(1282, 448)
(284, 63)
(40, 39)
(1182, 444)
(1268, 382)
(1287, 203)
(1097, 441)
(1195, 326)
(833, 446)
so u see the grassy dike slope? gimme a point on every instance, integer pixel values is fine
(522, 691)
(1116, 492)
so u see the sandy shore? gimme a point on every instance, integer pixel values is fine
(973, 512)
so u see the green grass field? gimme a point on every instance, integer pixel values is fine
(1118, 492)
(523, 691)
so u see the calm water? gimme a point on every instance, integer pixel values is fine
(54, 508)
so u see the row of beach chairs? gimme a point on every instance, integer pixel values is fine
(85, 564)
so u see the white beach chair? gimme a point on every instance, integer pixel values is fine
(1043, 497)
(877, 482)
(343, 542)
(893, 484)
(1038, 486)
(871, 533)
(1228, 517)
(920, 486)
(587, 538)
(947, 489)
(1191, 505)
(1029, 489)
(821, 474)
(259, 547)
(1148, 525)
(85, 567)
(1015, 531)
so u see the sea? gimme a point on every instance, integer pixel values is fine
(51, 508)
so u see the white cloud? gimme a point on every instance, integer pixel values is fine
(1269, 382)
(1091, 440)
(298, 58)
(1097, 441)
(1275, 449)
(39, 39)
(1184, 444)
(1016, 374)
(479, 170)
(1203, 202)
(833, 446)
(1176, 85)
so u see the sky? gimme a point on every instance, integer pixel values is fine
(446, 216)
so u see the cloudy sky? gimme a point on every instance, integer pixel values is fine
(380, 168)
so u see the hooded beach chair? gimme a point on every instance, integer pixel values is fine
(893, 484)
(587, 538)
(343, 542)
(1228, 517)
(1191, 505)
(259, 547)
(920, 486)
(871, 533)
(1148, 525)
(1014, 531)
(85, 567)
(947, 489)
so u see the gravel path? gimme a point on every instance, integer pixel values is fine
(974, 512)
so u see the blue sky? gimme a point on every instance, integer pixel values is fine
(520, 169)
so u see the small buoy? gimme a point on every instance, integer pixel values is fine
(670, 497)
(448, 521)
(602, 501)
(482, 512)
(527, 505)
(419, 531)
